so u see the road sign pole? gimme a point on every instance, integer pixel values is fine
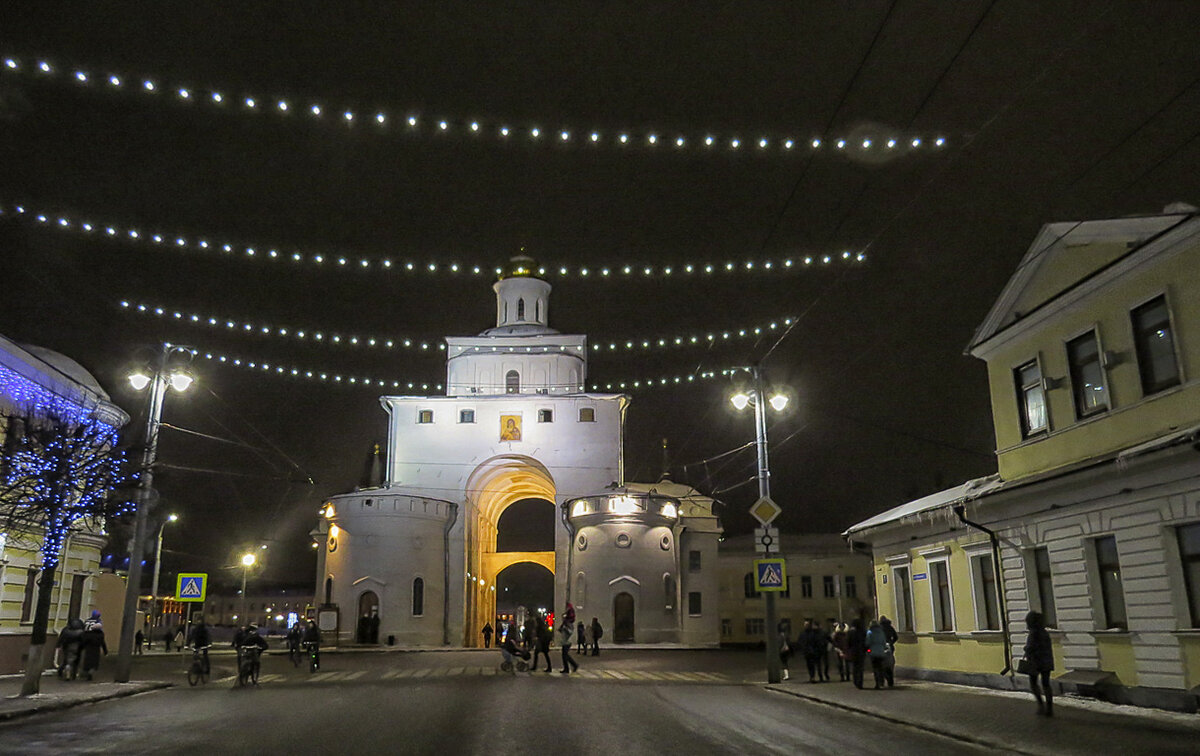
(774, 664)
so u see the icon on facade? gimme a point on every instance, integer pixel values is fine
(510, 427)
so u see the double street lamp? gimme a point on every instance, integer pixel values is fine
(757, 398)
(168, 369)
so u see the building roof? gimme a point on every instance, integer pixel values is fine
(1064, 255)
(972, 489)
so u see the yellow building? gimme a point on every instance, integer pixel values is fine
(826, 582)
(1093, 356)
(35, 378)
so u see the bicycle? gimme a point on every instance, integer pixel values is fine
(248, 665)
(199, 669)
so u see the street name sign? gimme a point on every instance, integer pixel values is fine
(765, 510)
(766, 540)
(191, 586)
(770, 575)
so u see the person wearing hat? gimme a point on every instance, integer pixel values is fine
(93, 644)
(248, 641)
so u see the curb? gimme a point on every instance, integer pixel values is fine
(946, 733)
(70, 703)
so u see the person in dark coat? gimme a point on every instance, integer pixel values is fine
(580, 640)
(878, 651)
(139, 639)
(69, 642)
(1039, 653)
(93, 645)
(814, 645)
(856, 647)
(543, 637)
(487, 635)
(785, 649)
(597, 634)
(889, 632)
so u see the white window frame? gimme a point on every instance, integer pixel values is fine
(905, 611)
(1179, 368)
(1022, 408)
(545, 415)
(935, 605)
(975, 554)
(421, 414)
(462, 411)
(1094, 330)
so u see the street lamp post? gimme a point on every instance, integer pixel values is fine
(157, 562)
(778, 402)
(157, 378)
(247, 562)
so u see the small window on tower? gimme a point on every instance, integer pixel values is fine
(425, 417)
(587, 415)
(545, 416)
(520, 309)
(466, 416)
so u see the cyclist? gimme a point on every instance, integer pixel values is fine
(248, 641)
(312, 639)
(294, 634)
(199, 639)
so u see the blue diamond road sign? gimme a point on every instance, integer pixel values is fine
(192, 586)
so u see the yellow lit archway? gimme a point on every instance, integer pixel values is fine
(494, 486)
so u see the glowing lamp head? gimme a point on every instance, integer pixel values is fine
(180, 381)
(139, 380)
(579, 508)
(248, 560)
(740, 400)
(670, 511)
(172, 518)
(778, 402)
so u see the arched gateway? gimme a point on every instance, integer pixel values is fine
(420, 551)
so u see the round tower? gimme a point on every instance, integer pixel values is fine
(522, 299)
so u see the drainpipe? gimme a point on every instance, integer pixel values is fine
(446, 574)
(995, 539)
(566, 519)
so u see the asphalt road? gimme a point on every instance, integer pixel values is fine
(627, 702)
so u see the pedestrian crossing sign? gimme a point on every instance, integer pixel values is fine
(191, 586)
(770, 575)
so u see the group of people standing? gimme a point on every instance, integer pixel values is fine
(537, 636)
(81, 643)
(851, 645)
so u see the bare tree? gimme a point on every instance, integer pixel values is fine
(58, 472)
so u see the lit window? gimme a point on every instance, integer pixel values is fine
(587, 415)
(424, 417)
(1031, 397)
(1155, 346)
(1087, 375)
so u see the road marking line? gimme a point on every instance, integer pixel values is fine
(616, 675)
(355, 675)
(269, 678)
(421, 672)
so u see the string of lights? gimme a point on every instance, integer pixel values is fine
(414, 123)
(128, 234)
(336, 378)
(390, 343)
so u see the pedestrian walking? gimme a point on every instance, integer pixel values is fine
(530, 635)
(597, 634)
(1038, 662)
(168, 636)
(825, 643)
(856, 645)
(93, 644)
(70, 640)
(487, 635)
(812, 643)
(889, 672)
(542, 639)
(841, 647)
(564, 637)
(581, 638)
(878, 652)
(139, 639)
(785, 649)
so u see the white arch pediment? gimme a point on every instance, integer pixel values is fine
(630, 578)
(369, 579)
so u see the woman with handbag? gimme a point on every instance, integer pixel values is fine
(1038, 662)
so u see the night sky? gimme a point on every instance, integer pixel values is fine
(1051, 110)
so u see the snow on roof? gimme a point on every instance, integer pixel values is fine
(972, 489)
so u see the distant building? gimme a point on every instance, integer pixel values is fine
(421, 551)
(267, 608)
(1093, 356)
(825, 582)
(35, 378)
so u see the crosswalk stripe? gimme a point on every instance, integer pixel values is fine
(615, 675)
(269, 678)
(355, 675)
(421, 672)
